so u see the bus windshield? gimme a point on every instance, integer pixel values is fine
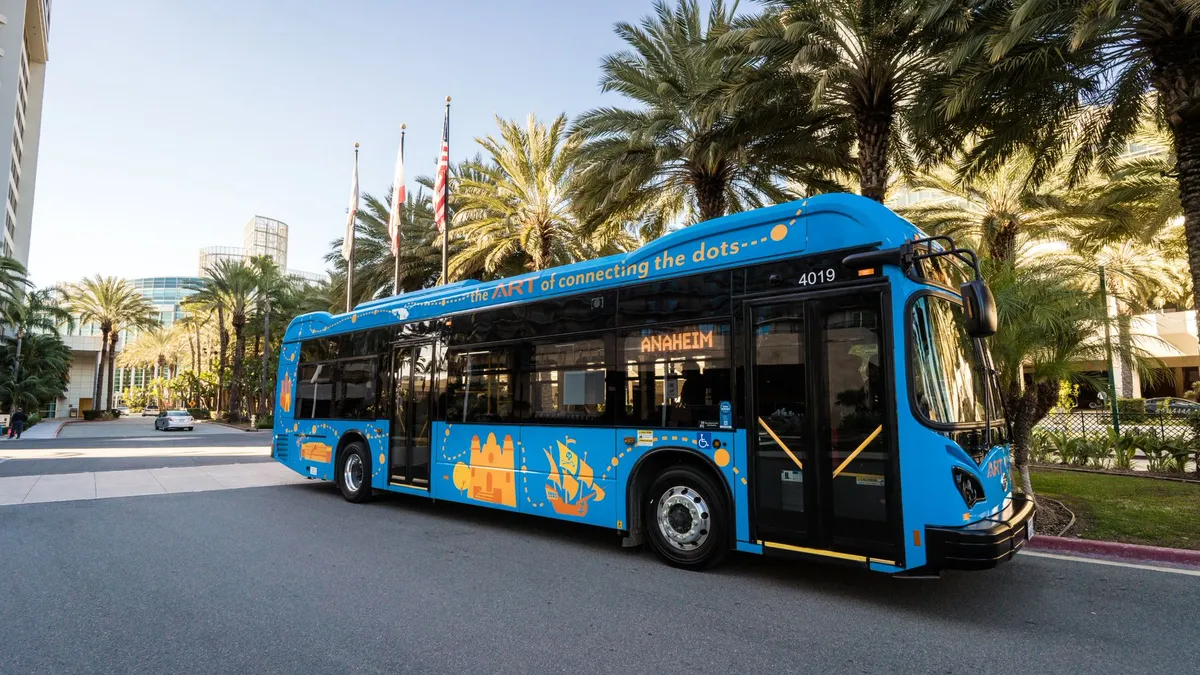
(950, 379)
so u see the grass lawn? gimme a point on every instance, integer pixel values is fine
(1126, 509)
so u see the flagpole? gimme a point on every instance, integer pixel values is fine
(446, 229)
(350, 260)
(399, 222)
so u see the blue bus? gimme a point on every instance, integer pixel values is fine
(809, 380)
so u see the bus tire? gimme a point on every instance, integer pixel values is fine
(354, 473)
(687, 519)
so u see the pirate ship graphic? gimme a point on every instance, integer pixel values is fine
(571, 484)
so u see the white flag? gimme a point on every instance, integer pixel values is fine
(398, 197)
(348, 240)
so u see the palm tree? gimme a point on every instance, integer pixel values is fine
(272, 285)
(690, 151)
(518, 209)
(13, 281)
(43, 375)
(998, 212)
(36, 311)
(420, 255)
(863, 62)
(233, 286)
(158, 348)
(209, 300)
(114, 305)
(1071, 77)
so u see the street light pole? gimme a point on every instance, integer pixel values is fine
(1112, 386)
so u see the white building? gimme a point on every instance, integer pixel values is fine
(24, 40)
(261, 236)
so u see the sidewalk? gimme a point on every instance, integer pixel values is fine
(104, 484)
(44, 429)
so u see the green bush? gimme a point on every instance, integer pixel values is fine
(1094, 452)
(1158, 453)
(200, 413)
(265, 422)
(1124, 447)
(33, 419)
(1131, 405)
(1041, 449)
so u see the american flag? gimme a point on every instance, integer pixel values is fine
(398, 198)
(441, 187)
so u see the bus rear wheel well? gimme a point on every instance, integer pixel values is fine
(648, 468)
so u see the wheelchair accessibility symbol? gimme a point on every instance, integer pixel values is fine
(704, 440)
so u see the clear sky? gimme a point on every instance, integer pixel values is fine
(167, 124)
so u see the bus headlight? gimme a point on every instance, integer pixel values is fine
(968, 486)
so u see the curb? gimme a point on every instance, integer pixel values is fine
(1112, 549)
(230, 426)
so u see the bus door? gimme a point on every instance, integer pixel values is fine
(412, 414)
(819, 383)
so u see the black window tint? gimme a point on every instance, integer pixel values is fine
(696, 297)
(577, 314)
(318, 349)
(676, 376)
(566, 382)
(479, 386)
(356, 390)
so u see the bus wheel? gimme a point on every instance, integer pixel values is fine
(686, 517)
(353, 474)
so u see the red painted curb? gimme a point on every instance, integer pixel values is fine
(1112, 549)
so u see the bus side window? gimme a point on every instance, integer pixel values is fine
(479, 387)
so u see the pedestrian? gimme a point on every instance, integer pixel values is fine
(17, 423)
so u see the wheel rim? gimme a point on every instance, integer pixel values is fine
(683, 518)
(352, 475)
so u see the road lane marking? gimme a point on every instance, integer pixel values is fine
(1112, 563)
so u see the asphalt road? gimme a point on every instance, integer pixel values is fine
(294, 579)
(130, 443)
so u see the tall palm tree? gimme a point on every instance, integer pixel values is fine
(43, 376)
(689, 151)
(518, 209)
(13, 281)
(114, 305)
(1071, 78)
(157, 348)
(36, 311)
(272, 284)
(234, 286)
(209, 300)
(863, 61)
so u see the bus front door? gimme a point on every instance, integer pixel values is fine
(823, 461)
(412, 415)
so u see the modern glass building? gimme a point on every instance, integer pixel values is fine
(167, 294)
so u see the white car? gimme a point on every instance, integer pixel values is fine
(174, 419)
(150, 411)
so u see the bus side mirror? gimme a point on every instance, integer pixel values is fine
(982, 320)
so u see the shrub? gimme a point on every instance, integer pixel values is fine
(200, 413)
(265, 422)
(1093, 452)
(1124, 447)
(1158, 454)
(1041, 448)
(1131, 405)
(33, 419)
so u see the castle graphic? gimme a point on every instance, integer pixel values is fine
(489, 476)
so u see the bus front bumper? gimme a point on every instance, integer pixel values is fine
(983, 544)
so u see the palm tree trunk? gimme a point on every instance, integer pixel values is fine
(874, 124)
(224, 347)
(266, 350)
(239, 355)
(1186, 133)
(99, 388)
(1003, 245)
(112, 359)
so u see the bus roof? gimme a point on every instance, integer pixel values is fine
(821, 223)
